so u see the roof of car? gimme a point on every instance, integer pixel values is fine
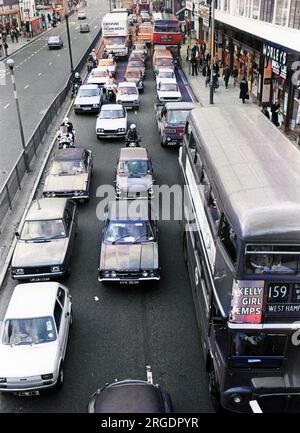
(106, 61)
(53, 38)
(167, 81)
(128, 210)
(164, 69)
(129, 396)
(70, 154)
(128, 153)
(32, 300)
(133, 69)
(109, 107)
(46, 209)
(180, 105)
(126, 84)
(89, 86)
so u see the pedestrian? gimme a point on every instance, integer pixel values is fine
(5, 48)
(235, 74)
(216, 67)
(195, 50)
(208, 73)
(226, 75)
(275, 109)
(12, 35)
(17, 34)
(187, 53)
(49, 18)
(194, 62)
(244, 90)
(215, 81)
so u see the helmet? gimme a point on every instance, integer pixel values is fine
(77, 75)
(132, 126)
(66, 120)
(93, 50)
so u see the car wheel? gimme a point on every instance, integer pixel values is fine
(60, 379)
(214, 390)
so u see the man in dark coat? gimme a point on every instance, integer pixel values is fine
(275, 108)
(194, 62)
(244, 90)
(226, 75)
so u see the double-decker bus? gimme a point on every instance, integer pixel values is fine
(166, 29)
(241, 244)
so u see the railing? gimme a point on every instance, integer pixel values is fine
(14, 181)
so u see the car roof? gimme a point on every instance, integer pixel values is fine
(165, 70)
(88, 86)
(128, 210)
(105, 61)
(110, 107)
(32, 300)
(126, 84)
(46, 209)
(132, 153)
(70, 154)
(53, 37)
(180, 105)
(167, 81)
(129, 396)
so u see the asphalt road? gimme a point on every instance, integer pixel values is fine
(40, 75)
(129, 326)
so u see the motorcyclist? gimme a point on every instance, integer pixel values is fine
(105, 54)
(93, 58)
(76, 80)
(66, 122)
(132, 134)
(110, 85)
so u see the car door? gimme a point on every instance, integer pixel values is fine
(88, 163)
(59, 322)
(63, 300)
(70, 220)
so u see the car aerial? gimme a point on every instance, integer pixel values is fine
(133, 19)
(140, 46)
(137, 55)
(128, 95)
(168, 91)
(137, 64)
(130, 396)
(134, 75)
(109, 64)
(88, 98)
(55, 42)
(98, 76)
(45, 240)
(129, 247)
(165, 73)
(171, 118)
(70, 174)
(134, 176)
(84, 28)
(81, 15)
(34, 338)
(112, 121)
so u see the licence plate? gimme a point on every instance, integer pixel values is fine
(129, 282)
(29, 393)
(40, 279)
(86, 108)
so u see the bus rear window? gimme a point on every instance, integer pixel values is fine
(272, 259)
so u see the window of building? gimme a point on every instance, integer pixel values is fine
(240, 7)
(226, 6)
(267, 10)
(294, 21)
(282, 11)
(255, 9)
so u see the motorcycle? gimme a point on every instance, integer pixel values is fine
(110, 90)
(75, 88)
(65, 139)
(133, 143)
(91, 65)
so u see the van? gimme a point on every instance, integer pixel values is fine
(162, 59)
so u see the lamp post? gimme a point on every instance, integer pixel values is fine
(10, 63)
(212, 43)
(68, 35)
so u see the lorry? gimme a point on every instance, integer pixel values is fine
(115, 33)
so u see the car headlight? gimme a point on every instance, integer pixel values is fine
(145, 274)
(19, 271)
(76, 106)
(50, 194)
(56, 268)
(2, 379)
(95, 105)
(106, 274)
(121, 129)
(47, 376)
(113, 274)
(78, 193)
(151, 191)
(100, 130)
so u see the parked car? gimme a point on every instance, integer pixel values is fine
(130, 396)
(98, 76)
(81, 15)
(112, 121)
(171, 118)
(134, 75)
(137, 55)
(88, 98)
(134, 176)
(84, 28)
(137, 64)
(55, 42)
(34, 338)
(70, 174)
(165, 73)
(128, 95)
(45, 240)
(168, 91)
(109, 64)
(129, 248)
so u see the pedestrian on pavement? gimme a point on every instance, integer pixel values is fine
(275, 109)
(195, 50)
(12, 35)
(194, 62)
(216, 67)
(208, 73)
(203, 48)
(235, 74)
(5, 48)
(226, 75)
(17, 34)
(244, 90)
(49, 18)
(187, 53)
(215, 81)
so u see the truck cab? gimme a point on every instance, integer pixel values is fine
(115, 33)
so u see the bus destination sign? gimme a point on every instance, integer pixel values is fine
(246, 301)
(283, 299)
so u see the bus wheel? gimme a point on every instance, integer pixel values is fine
(185, 258)
(214, 391)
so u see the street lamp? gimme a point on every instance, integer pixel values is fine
(212, 47)
(10, 63)
(68, 35)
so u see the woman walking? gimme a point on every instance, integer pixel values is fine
(244, 90)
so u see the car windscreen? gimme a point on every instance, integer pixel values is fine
(96, 73)
(135, 64)
(111, 114)
(166, 74)
(127, 91)
(272, 259)
(65, 168)
(29, 331)
(115, 41)
(177, 116)
(43, 230)
(53, 39)
(168, 87)
(88, 93)
(129, 232)
(134, 168)
(164, 61)
(132, 74)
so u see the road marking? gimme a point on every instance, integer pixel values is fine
(26, 87)
(50, 63)
(39, 74)
(58, 55)
(5, 107)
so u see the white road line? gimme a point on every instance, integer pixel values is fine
(58, 55)
(26, 87)
(5, 107)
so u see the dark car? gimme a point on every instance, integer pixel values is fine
(84, 28)
(129, 248)
(135, 75)
(70, 174)
(45, 240)
(55, 42)
(130, 396)
(171, 118)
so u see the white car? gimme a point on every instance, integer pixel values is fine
(112, 121)
(99, 76)
(34, 338)
(128, 95)
(109, 64)
(81, 15)
(88, 98)
(165, 73)
(168, 91)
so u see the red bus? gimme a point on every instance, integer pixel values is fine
(166, 29)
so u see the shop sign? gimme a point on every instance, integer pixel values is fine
(204, 12)
(246, 302)
(278, 57)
